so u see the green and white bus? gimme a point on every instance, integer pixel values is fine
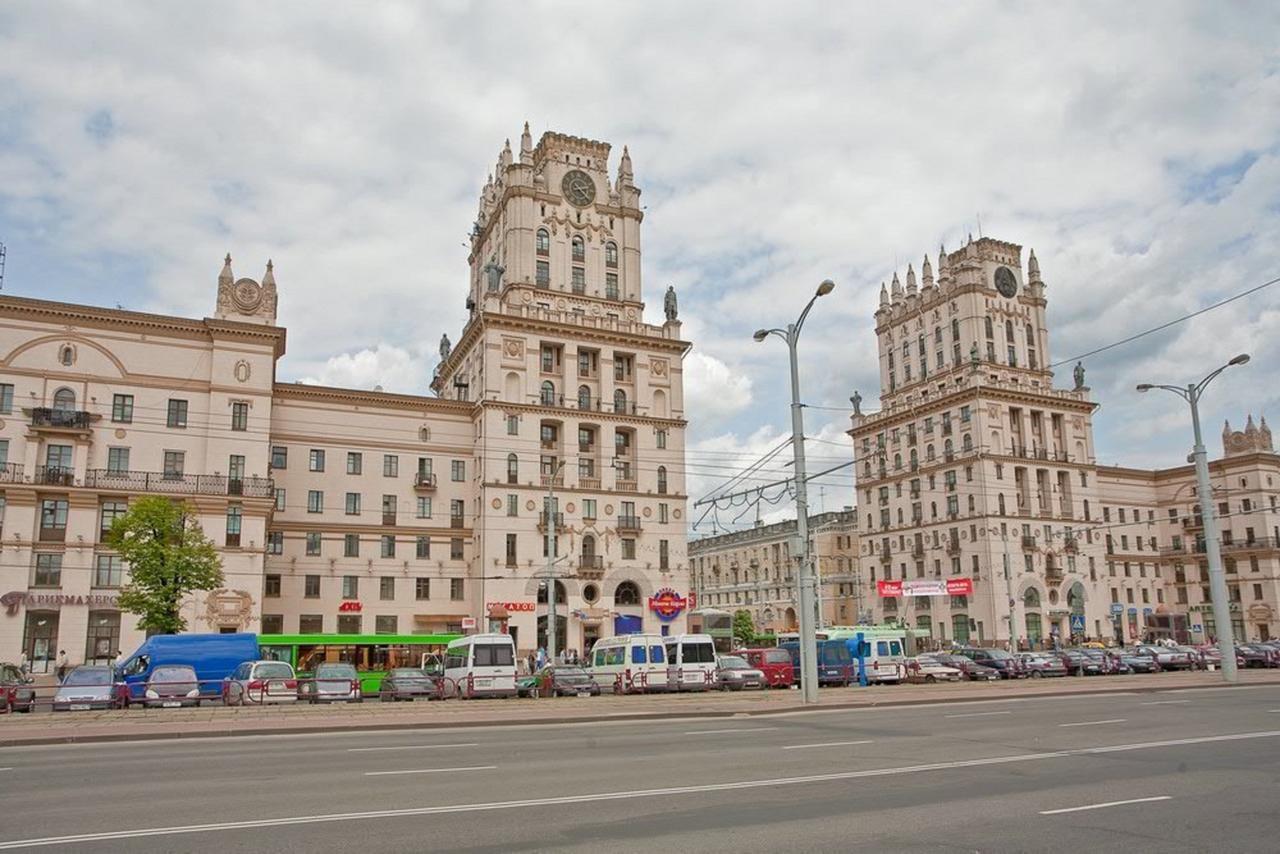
(372, 655)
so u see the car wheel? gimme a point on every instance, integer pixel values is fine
(1036, 674)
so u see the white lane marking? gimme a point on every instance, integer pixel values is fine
(1107, 804)
(411, 747)
(1096, 723)
(719, 731)
(252, 824)
(1273, 710)
(1165, 702)
(977, 714)
(6, 769)
(429, 771)
(826, 744)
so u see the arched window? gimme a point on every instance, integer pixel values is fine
(543, 242)
(915, 460)
(611, 254)
(967, 441)
(662, 480)
(1031, 599)
(561, 598)
(67, 355)
(548, 393)
(513, 468)
(1031, 336)
(588, 545)
(626, 593)
(579, 248)
(64, 399)
(897, 461)
(1008, 331)
(584, 397)
(947, 449)
(928, 452)
(619, 401)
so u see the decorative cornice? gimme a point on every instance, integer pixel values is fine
(387, 400)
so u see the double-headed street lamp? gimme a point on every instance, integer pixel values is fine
(805, 580)
(1217, 581)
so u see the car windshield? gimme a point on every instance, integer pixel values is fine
(998, 654)
(89, 676)
(563, 670)
(408, 673)
(733, 662)
(173, 674)
(335, 671)
(777, 656)
(274, 670)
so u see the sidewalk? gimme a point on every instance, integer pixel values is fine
(131, 724)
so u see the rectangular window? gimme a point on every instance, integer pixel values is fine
(273, 624)
(458, 471)
(351, 545)
(355, 462)
(235, 473)
(513, 505)
(387, 588)
(117, 460)
(455, 548)
(235, 517)
(239, 416)
(424, 507)
(544, 274)
(423, 547)
(311, 624)
(349, 624)
(628, 549)
(353, 504)
(6, 398)
(4, 451)
(662, 440)
(311, 587)
(663, 555)
(611, 285)
(279, 457)
(174, 463)
(385, 624)
(313, 543)
(589, 508)
(513, 425)
(390, 465)
(350, 587)
(48, 571)
(275, 542)
(579, 280)
(53, 519)
(108, 571)
(422, 588)
(511, 550)
(315, 501)
(389, 510)
(456, 589)
(315, 460)
(388, 545)
(271, 585)
(177, 413)
(121, 408)
(280, 495)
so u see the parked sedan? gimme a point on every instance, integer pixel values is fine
(172, 686)
(1169, 657)
(409, 683)
(558, 680)
(1138, 662)
(1003, 662)
(922, 668)
(971, 669)
(1039, 665)
(333, 682)
(734, 673)
(1078, 663)
(260, 682)
(16, 692)
(1255, 655)
(87, 687)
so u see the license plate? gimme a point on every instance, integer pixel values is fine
(584, 693)
(79, 707)
(171, 704)
(275, 688)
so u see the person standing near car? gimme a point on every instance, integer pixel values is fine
(25, 663)
(62, 665)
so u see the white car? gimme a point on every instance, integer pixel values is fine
(260, 682)
(922, 668)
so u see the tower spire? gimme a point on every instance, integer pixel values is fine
(226, 277)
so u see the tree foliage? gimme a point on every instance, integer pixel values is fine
(744, 628)
(168, 557)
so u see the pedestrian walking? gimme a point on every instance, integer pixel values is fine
(25, 663)
(542, 657)
(62, 664)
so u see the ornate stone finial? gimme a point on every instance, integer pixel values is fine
(895, 287)
(1226, 430)
(670, 306)
(911, 281)
(944, 264)
(1033, 268)
(624, 166)
(970, 238)
(884, 294)
(269, 277)
(1250, 429)
(926, 272)
(226, 277)
(526, 145)
(1265, 436)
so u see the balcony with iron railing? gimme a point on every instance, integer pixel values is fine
(171, 483)
(556, 518)
(424, 481)
(456, 522)
(54, 476)
(629, 523)
(953, 546)
(48, 418)
(590, 566)
(1028, 543)
(11, 473)
(388, 517)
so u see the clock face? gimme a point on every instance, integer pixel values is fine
(578, 188)
(1006, 284)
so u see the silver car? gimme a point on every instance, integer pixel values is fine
(87, 687)
(332, 683)
(733, 673)
(260, 682)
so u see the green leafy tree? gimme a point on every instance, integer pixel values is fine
(744, 628)
(168, 557)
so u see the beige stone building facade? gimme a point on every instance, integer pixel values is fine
(345, 510)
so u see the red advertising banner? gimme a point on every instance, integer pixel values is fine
(889, 588)
(959, 586)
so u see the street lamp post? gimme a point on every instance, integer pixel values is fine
(805, 579)
(1217, 580)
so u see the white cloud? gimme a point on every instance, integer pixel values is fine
(393, 368)
(713, 391)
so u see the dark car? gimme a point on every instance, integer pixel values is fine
(1138, 662)
(971, 669)
(16, 692)
(835, 664)
(409, 683)
(558, 680)
(1168, 657)
(171, 686)
(1003, 662)
(1042, 664)
(1255, 655)
(1080, 664)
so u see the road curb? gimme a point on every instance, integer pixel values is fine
(672, 714)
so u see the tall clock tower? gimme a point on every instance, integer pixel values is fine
(977, 470)
(580, 403)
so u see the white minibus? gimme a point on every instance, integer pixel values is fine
(629, 663)
(480, 666)
(691, 662)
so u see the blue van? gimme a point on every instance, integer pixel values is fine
(214, 658)
(835, 664)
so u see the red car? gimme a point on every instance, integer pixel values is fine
(774, 663)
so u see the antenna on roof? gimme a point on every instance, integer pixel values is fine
(979, 225)
(2, 253)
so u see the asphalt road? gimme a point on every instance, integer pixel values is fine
(1199, 769)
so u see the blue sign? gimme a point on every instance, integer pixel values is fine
(1077, 623)
(1117, 608)
(1133, 611)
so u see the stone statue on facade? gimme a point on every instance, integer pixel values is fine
(973, 354)
(445, 348)
(669, 304)
(495, 276)
(1078, 373)
(856, 400)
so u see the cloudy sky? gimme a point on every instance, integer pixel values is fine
(1135, 146)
